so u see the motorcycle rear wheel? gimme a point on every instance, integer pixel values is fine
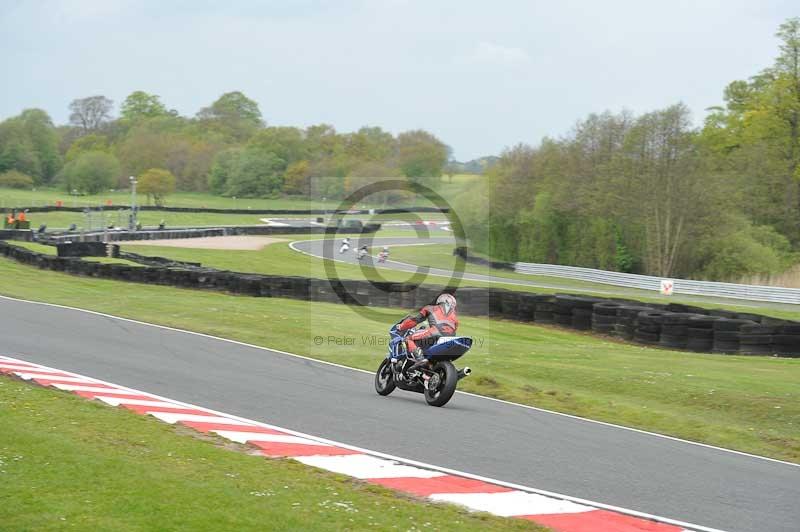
(384, 380)
(448, 380)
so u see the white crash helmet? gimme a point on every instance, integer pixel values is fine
(448, 300)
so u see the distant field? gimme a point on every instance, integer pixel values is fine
(10, 197)
(62, 220)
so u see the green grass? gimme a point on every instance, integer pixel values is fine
(10, 197)
(62, 220)
(746, 403)
(68, 463)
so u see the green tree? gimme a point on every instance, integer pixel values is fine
(296, 178)
(222, 169)
(257, 174)
(16, 149)
(91, 172)
(157, 184)
(371, 144)
(29, 143)
(286, 143)
(91, 142)
(421, 156)
(755, 137)
(44, 140)
(234, 115)
(141, 105)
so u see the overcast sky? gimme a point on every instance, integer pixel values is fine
(480, 75)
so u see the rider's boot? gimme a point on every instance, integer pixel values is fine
(419, 359)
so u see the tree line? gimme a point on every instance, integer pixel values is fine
(226, 148)
(651, 193)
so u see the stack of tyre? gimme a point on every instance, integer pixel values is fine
(574, 311)
(727, 335)
(627, 315)
(787, 340)
(604, 317)
(648, 327)
(675, 330)
(544, 308)
(700, 333)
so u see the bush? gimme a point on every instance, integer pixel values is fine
(753, 250)
(15, 179)
(157, 183)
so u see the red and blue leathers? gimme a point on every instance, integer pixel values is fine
(442, 321)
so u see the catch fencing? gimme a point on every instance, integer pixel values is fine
(680, 286)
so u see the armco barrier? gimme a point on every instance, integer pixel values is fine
(771, 294)
(640, 322)
(681, 286)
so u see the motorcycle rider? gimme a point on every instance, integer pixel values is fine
(384, 254)
(345, 245)
(442, 320)
(363, 252)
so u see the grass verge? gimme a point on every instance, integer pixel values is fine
(747, 403)
(72, 463)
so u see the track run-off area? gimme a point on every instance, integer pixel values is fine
(525, 446)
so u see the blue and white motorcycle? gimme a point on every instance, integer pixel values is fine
(436, 380)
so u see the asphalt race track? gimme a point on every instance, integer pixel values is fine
(648, 473)
(315, 247)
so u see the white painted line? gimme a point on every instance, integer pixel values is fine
(511, 503)
(272, 223)
(117, 401)
(364, 466)
(333, 364)
(229, 420)
(244, 437)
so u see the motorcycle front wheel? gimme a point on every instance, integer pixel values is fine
(384, 380)
(444, 387)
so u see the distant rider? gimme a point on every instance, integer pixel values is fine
(363, 252)
(442, 321)
(345, 245)
(383, 255)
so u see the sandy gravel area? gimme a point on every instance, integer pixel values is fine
(210, 242)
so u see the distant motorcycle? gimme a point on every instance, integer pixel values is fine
(345, 247)
(437, 380)
(362, 253)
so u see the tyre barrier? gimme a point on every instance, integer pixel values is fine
(87, 249)
(195, 232)
(16, 234)
(299, 212)
(463, 252)
(695, 329)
